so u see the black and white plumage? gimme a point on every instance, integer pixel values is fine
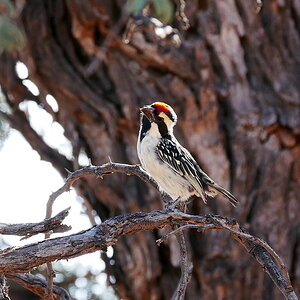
(171, 165)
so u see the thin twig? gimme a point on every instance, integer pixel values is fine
(186, 267)
(50, 271)
(50, 276)
(3, 288)
(181, 15)
(99, 171)
(38, 285)
(181, 228)
(29, 229)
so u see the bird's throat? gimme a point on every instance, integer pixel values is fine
(145, 127)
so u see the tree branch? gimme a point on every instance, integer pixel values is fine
(29, 229)
(50, 275)
(107, 234)
(264, 254)
(186, 268)
(3, 288)
(38, 286)
(184, 21)
(99, 171)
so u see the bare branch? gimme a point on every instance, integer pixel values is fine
(3, 288)
(181, 15)
(99, 171)
(186, 268)
(38, 286)
(29, 229)
(107, 234)
(264, 254)
(181, 228)
(50, 275)
(186, 264)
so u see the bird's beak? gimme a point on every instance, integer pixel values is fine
(148, 112)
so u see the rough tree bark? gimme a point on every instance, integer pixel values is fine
(234, 83)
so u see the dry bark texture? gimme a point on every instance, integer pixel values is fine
(234, 83)
(29, 229)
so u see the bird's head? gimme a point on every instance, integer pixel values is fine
(161, 114)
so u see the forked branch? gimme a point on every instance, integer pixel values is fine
(108, 233)
(263, 253)
(29, 229)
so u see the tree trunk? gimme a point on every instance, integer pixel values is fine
(234, 83)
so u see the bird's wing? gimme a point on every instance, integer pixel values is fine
(182, 162)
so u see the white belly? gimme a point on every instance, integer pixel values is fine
(170, 182)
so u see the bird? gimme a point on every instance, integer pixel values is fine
(170, 164)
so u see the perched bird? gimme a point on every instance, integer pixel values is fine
(171, 165)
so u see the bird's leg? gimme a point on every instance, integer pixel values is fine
(167, 201)
(190, 199)
(176, 204)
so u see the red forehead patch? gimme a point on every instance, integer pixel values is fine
(161, 107)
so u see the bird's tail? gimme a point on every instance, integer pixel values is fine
(225, 193)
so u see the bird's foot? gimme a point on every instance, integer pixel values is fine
(177, 205)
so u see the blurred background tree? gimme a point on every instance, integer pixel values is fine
(233, 79)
